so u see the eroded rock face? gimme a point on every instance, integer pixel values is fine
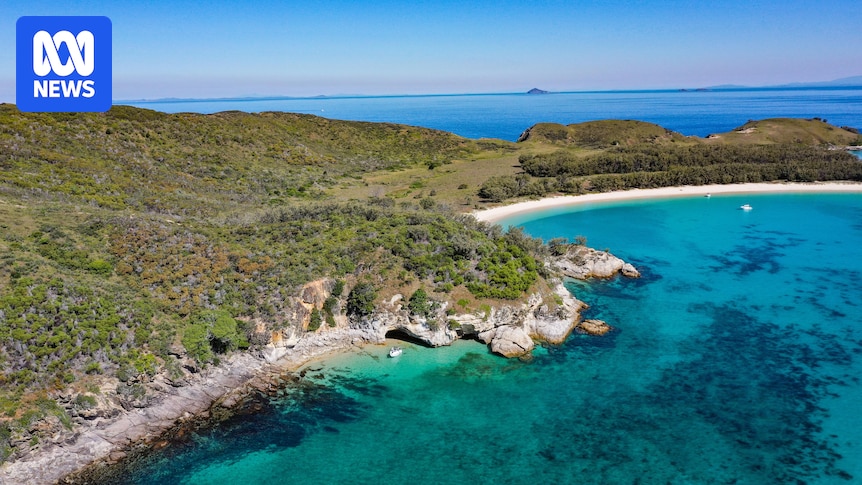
(510, 341)
(433, 330)
(581, 262)
(554, 323)
(509, 330)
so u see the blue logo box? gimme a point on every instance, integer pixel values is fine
(63, 64)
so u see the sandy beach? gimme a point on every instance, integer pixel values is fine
(499, 213)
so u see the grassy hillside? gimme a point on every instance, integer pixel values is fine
(190, 164)
(600, 134)
(135, 243)
(813, 131)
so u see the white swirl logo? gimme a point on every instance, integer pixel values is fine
(46, 55)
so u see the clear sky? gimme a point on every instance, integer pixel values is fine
(220, 48)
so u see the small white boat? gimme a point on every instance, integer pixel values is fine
(395, 351)
(708, 195)
(745, 207)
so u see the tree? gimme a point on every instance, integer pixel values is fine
(212, 332)
(224, 334)
(196, 342)
(419, 304)
(360, 300)
(558, 245)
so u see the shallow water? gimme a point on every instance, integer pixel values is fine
(735, 359)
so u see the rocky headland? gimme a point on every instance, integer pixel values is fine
(581, 262)
(107, 424)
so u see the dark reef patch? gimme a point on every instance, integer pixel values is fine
(760, 251)
(283, 418)
(746, 405)
(764, 395)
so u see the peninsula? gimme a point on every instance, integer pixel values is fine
(158, 265)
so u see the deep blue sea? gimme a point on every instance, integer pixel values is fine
(736, 358)
(506, 116)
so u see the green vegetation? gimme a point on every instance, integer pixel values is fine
(315, 321)
(419, 303)
(194, 165)
(600, 134)
(360, 301)
(651, 165)
(130, 235)
(130, 240)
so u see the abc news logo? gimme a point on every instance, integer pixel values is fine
(80, 61)
(63, 64)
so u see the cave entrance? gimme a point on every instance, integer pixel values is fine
(405, 337)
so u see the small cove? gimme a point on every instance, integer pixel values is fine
(735, 358)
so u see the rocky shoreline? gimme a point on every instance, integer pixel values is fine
(107, 432)
(105, 440)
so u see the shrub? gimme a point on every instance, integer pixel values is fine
(499, 188)
(100, 266)
(315, 321)
(338, 288)
(218, 330)
(84, 401)
(360, 301)
(144, 363)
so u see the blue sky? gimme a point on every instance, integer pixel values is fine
(221, 48)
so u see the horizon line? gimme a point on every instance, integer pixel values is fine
(795, 86)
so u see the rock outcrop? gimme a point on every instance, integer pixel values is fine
(509, 330)
(594, 327)
(508, 341)
(581, 262)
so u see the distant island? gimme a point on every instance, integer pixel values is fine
(537, 91)
(852, 81)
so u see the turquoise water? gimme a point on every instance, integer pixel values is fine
(857, 153)
(735, 359)
(506, 116)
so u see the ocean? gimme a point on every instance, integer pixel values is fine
(506, 116)
(736, 358)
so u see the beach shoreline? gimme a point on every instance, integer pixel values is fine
(497, 214)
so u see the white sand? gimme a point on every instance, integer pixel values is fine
(498, 213)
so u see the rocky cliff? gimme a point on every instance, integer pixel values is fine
(509, 330)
